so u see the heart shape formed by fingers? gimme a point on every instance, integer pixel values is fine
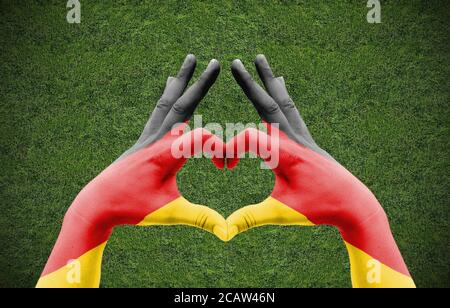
(270, 211)
(175, 149)
(279, 155)
(140, 188)
(285, 205)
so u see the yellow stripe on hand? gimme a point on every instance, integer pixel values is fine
(83, 272)
(368, 272)
(183, 212)
(268, 212)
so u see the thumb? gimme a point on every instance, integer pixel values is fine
(183, 212)
(268, 212)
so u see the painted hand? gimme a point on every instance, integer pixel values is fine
(140, 187)
(311, 188)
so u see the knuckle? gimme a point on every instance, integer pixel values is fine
(202, 219)
(272, 107)
(179, 108)
(287, 103)
(163, 103)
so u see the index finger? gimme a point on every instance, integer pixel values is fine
(185, 106)
(267, 108)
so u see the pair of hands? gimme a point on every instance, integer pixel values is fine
(311, 188)
(140, 188)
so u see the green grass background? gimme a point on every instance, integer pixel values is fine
(74, 97)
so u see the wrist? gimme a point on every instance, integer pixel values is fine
(365, 228)
(90, 225)
(77, 237)
(373, 237)
(356, 205)
(92, 208)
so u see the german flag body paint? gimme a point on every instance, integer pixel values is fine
(311, 183)
(311, 189)
(346, 203)
(140, 190)
(143, 181)
(375, 259)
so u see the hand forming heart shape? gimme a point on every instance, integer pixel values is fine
(140, 188)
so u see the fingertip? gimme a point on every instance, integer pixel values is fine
(211, 72)
(214, 66)
(231, 155)
(232, 163)
(242, 76)
(190, 61)
(190, 58)
(219, 163)
(221, 233)
(263, 68)
(188, 67)
(232, 232)
(237, 65)
(214, 62)
(169, 80)
(260, 59)
(281, 80)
